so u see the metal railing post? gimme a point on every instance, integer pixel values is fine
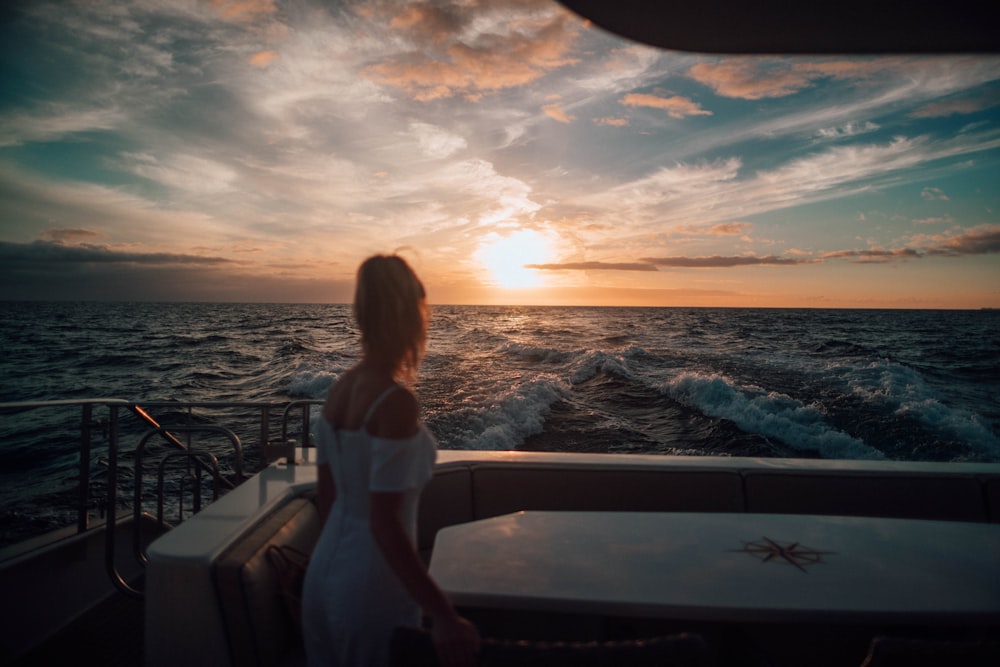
(83, 490)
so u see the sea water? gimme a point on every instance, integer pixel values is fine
(835, 384)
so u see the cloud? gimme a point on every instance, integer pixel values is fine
(761, 78)
(716, 262)
(593, 266)
(729, 229)
(850, 129)
(555, 112)
(243, 11)
(678, 183)
(56, 122)
(437, 142)
(611, 122)
(470, 50)
(873, 255)
(263, 58)
(981, 240)
(64, 235)
(746, 80)
(721, 229)
(675, 106)
(822, 172)
(50, 253)
(951, 107)
(51, 271)
(187, 173)
(945, 220)
(933, 194)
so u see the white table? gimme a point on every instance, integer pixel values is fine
(726, 567)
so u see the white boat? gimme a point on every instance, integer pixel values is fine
(208, 594)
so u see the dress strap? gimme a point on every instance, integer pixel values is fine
(378, 401)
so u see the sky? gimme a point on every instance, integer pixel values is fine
(259, 150)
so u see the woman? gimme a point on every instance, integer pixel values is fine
(365, 577)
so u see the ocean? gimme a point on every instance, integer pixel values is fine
(836, 384)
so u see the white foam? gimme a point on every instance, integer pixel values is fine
(502, 413)
(770, 414)
(593, 362)
(903, 390)
(311, 382)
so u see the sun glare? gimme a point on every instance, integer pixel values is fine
(506, 256)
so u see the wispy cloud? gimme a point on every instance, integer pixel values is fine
(243, 10)
(951, 107)
(761, 78)
(873, 255)
(593, 266)
(56, 122)
(675, 105)
(555, 111)
(850, 129)
(612, 121)
(716, 262)
(69, 235)
(729, 229)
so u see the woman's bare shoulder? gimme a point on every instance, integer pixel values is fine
(397, 416)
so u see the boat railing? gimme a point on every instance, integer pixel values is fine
(189, 462)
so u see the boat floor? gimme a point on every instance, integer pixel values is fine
(110, 634)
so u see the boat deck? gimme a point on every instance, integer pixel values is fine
(110, 634)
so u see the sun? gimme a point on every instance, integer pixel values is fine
(506, 256)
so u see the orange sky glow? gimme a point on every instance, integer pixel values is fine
(257, 151)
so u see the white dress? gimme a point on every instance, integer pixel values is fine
(351, 599)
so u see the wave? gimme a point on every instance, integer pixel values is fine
(770, 414)
(904, 391)
(310, 381)
(296, 345)
(500, 416)
(843, 348)
(536, 354)
(594, 362)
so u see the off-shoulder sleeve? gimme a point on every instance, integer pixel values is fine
(404, 464)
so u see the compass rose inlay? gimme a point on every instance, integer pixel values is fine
(792, 553)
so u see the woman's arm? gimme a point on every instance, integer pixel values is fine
(456, 640)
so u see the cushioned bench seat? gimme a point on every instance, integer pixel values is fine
(940, 496)
(260, 630)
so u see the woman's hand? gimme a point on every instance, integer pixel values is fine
(456, 641)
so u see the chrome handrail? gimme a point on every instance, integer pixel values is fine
(305, 404)
(141, 409)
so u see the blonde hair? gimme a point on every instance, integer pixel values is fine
(390, 308)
